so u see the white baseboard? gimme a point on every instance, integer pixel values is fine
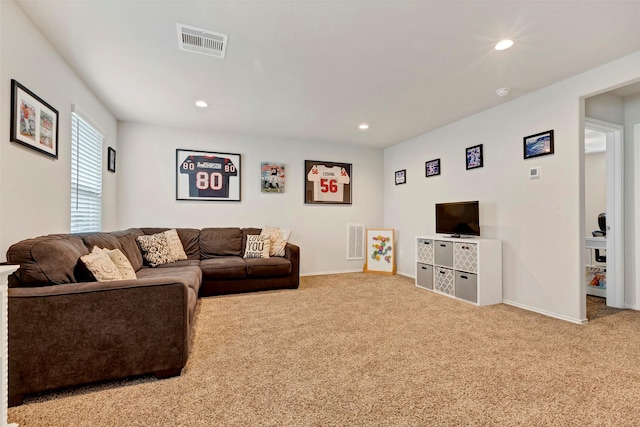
(632, 307)
(323, 273)
(546, 313)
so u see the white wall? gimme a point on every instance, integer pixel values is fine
(147, 193)
(540, 222)
(34, 188)
(605, 107)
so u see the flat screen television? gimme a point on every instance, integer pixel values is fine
(458, 218)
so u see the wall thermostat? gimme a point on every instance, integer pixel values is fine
(534, 173)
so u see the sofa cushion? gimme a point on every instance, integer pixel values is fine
(130, 247)
(265, 267)
(47, 260)
(250, 231)
(257, 246)
(222, 268)
(182, 263)
(279, 238)
(224, 241)
(175, 245)
(155, 249)
(101, 266)
(190, 238)
(101, 240)
(122, 263)
(190, 275)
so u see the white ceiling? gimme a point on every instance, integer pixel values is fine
(314, 70)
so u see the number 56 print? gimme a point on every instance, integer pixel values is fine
(205, 175)
(327, 182)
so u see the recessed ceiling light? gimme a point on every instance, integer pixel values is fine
(503, 91)
(202, 104)
(363, 126)
(504, 44)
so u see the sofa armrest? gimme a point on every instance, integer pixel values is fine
(84, 332)
(292, 253)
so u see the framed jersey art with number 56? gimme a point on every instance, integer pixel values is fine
(205, 175)
(327, 182)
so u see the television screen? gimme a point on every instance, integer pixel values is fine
(458, 218)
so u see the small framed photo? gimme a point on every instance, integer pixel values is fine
(207, 175)
(34, 123)
(538, 145)
(474, 157)
(272, 177)
(401, 177)
(111, 159)
(432, 168)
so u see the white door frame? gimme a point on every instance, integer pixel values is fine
(636, 147)
(615, 209)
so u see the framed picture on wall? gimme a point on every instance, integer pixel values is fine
(538, 145)
(111, 159)
(474, 157)
(34, 123)
(327, 182)
(401, 177)
(272, 177)
(207, 175)
(432, 168)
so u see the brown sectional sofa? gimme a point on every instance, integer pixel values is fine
(67, 329)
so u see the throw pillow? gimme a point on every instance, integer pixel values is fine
(122, 263)
(279, 238)
(155, 249)
(175, 245)
(101, 266)
(257, 246)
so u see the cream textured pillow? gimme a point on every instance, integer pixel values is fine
(257, 246)
(101, 266)
(121, 262)
(175, 245)
(279, 237)
(155, 249)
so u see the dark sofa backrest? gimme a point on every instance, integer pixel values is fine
(188, 236)
(55, 258)
(46, 260)
(221, 241)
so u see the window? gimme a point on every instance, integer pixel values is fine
(86, 174)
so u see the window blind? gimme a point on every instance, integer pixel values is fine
(86, 176)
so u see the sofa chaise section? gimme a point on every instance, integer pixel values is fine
(78, 333)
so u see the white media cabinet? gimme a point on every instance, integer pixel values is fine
(5, 271)
(469, 269)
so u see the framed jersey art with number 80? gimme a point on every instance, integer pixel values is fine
(205, 175)
(327, 182)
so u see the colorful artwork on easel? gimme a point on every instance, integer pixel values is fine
(382, 248)
(380, 251)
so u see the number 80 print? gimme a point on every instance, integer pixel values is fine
(205, 175)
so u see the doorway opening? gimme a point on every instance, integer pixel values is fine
(604, 245)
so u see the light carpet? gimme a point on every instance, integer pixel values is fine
(370, 350)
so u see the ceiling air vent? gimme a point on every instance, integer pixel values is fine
(199, 40)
